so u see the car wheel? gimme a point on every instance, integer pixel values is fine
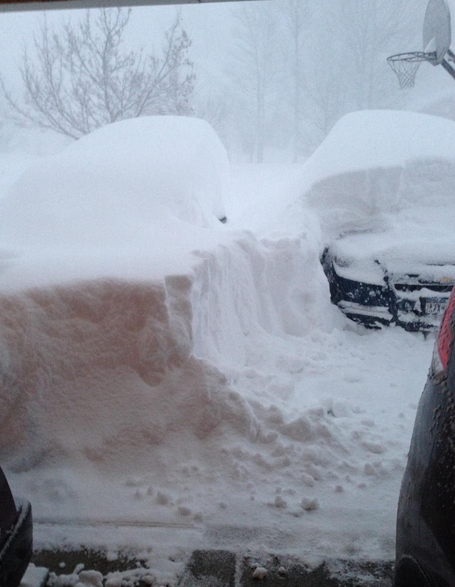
(408, 573)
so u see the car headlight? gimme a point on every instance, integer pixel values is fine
(342, 262)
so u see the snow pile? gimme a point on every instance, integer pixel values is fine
(111, 349)
(300, 451)
(190, 385)
(103, 369)
(376, 162)
(276, 285)
(11, 166)
(116, 184)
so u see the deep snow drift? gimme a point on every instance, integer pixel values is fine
(193, 384)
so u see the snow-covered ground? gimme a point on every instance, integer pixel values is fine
(192, 385)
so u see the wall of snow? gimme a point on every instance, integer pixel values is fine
(102, 370)
(276, 285)
(123, 300)
(78, 362)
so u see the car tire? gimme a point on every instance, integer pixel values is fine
(408, 573)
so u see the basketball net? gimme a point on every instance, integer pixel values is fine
(405, 66)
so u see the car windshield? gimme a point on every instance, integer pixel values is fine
(224, 256)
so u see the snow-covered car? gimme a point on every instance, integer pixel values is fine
(378, 284)
(425, 541)
(16, 536)
(383, 187)
(115, 185)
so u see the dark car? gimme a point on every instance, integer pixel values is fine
(16, 539)
(425, 547)
(381, 285)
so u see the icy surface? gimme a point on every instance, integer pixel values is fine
(191, 385)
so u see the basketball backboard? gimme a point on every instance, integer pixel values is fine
(437, 30)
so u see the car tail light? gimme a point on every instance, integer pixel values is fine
(445, 332)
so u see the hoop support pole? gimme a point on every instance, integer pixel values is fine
(446, 65)
(451, 55)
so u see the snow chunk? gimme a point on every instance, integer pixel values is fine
(309, 505)
(259, 573)
(34, 576)
(105, 372)
(280, 502)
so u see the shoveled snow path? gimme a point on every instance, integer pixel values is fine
(355, 394)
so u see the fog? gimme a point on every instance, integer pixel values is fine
(195, 371)
(271, 77)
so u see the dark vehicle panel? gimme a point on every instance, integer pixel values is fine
(16, 536)
(425, 547)
(8, 512)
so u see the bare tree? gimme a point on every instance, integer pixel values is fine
(326, 100)
(297, 15)
(215, 106)
(82, 78)
(371, 31)
(345, 63)
(256, 68)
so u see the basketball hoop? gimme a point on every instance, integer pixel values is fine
(405, 65)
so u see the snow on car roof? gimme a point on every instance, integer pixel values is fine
(113, 185)
(377, 138)
(376, 165)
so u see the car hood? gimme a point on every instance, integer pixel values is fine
(368, 257)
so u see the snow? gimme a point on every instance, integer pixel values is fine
(13, 164)
(189, 384)
(34, 576)
(400, 255)
(378, 138)
(376, 163)
(113, 186)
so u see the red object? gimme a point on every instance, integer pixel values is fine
(445, 333)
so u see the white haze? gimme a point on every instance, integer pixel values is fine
(342, 67)
(215, 385)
